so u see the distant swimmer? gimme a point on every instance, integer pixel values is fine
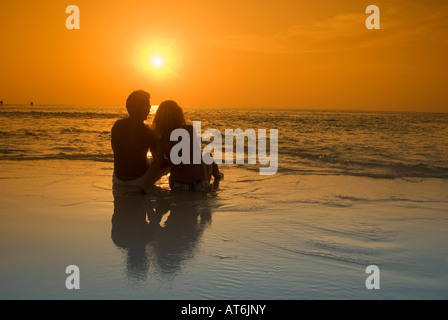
(1, 102)
(31, 103)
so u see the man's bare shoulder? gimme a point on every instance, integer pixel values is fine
(119, 124)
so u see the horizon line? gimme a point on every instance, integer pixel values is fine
(239, 108)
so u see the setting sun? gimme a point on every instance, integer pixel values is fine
(157, 62)
(158, 58)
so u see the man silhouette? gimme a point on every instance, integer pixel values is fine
(131, 139)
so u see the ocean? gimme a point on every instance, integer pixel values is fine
(359, 143)
(353, 189)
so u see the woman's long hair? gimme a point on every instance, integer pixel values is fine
(169, 116)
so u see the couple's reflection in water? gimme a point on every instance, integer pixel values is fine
(160, 232)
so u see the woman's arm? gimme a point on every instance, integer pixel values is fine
(205, 181)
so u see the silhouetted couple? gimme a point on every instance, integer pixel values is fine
(132, 139)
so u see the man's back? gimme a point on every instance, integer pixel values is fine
(131, 140)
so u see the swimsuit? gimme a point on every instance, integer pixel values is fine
(123, 187)
(185, 186)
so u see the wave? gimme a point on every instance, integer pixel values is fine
(47, 133)
(61, 156)
(313, 165)
(367, 163)
(378, 171)
(61, 115)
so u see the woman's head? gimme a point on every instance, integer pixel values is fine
(169, 116)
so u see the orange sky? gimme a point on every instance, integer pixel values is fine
(233, 53)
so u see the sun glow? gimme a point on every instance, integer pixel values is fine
(158, 58)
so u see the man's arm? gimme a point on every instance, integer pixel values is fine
(154, 171)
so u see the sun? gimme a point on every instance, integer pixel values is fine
(158, 58)
(157, 61)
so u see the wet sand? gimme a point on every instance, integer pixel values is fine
(281, 237)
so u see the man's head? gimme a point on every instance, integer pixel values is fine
(138, 104)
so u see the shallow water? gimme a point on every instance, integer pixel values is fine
(280, 237)
(369, 144)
